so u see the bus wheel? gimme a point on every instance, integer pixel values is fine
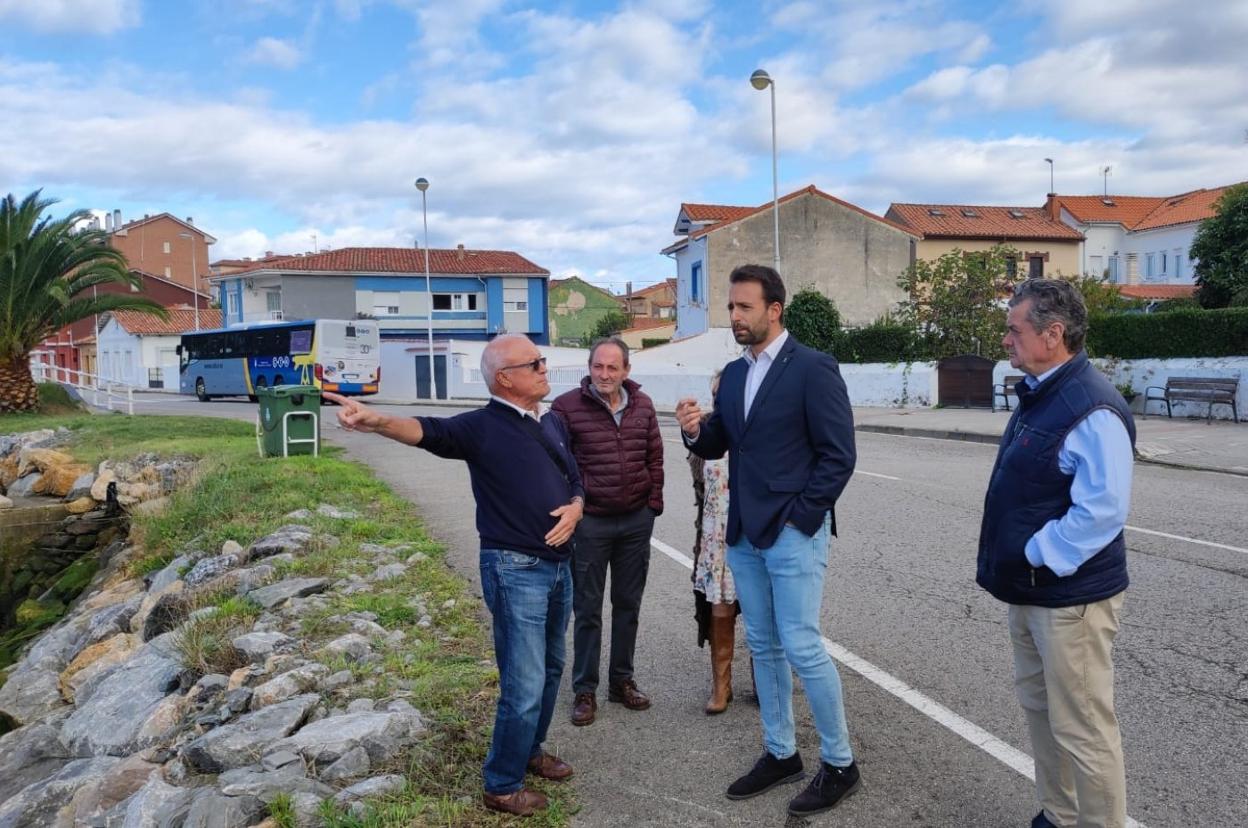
(278, 380)
(257, 385)
(200, 390)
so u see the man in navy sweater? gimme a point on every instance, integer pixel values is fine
(529, 500)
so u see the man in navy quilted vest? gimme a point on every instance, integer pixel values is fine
(1051, 547)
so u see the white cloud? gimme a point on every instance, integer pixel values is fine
(101, 17)
(272, 51)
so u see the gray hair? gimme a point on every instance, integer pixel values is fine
(492, 357)
(1055, 300)
(609, 340)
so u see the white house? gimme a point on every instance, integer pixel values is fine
(140, 350)
(1137, 240)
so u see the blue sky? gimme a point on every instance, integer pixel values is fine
(572, 131)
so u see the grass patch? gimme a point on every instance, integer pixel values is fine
(444, 669)
(282, 811)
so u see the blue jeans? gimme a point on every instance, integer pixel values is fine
(530, 599)
(781, 590)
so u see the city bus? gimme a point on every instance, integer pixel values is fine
(332, 354)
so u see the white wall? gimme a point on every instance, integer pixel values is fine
(1165, 240)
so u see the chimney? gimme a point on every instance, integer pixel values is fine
(268, 254)
(116, 219)
(1054, 209)
(190, 221)
(460, 251)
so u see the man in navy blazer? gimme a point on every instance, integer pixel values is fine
(782, 416)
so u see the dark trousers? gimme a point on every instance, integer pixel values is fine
(621, 542)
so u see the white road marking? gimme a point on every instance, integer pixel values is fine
(876, 474)
(1007, 754)
(1187, 540)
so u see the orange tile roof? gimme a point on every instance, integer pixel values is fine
(181, 319)
(1197, 205)
(1146, 212)
(993, 223)
(714, 212)
(666, 284)
(1157, 291)
(403, 260)
(643, 323)
(811, 190)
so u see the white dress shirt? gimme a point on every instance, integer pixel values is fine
(759, 366)
(523, 412)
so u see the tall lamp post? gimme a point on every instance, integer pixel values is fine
(1051, 190)
(422, 184)
(194, 276)
(760, 80)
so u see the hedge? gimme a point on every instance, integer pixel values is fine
(1178, 333)
(878, 343)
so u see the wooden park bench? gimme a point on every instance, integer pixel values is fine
(1213, 390)
(1005, 389)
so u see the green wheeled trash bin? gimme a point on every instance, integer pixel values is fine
(289, 420)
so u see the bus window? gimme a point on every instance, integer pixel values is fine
(300, 341)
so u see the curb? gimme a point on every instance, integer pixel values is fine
(931, 433)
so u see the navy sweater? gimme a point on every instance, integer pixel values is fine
(515, 482)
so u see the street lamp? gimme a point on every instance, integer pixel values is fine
(760, 80)
(1051, 190)
(422, 184)
(194, 277)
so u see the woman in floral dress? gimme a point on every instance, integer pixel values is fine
(715, 595)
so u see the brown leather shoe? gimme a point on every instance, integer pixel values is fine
(549, 766)
(627, 694)
(523, 802)
(584, 706)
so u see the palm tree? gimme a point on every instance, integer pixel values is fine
(47, 267)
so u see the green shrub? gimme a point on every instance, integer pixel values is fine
(1180, 333)
(813, 320)
(647, 342)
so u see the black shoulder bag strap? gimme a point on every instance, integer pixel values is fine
(535, 429)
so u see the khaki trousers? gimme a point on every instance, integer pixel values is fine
(1064, 677)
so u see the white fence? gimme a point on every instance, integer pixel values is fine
(101, 393)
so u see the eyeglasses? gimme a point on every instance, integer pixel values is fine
(535, 365)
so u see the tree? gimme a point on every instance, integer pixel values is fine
(611, 323)
(47, 267)
(813, 319)
(1221, 251)
(1100, 296)
(957, 303)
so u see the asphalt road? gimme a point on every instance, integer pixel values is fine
(934, 723)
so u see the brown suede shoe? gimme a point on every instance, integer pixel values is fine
(523, 802)
(584, 706)
(627, 694)
(549, 766)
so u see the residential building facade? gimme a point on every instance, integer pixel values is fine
(1134, 240)
(163, 245)
(657, 301)
(575, 308)
(852, 256)
(140, 350)
(1046, 247)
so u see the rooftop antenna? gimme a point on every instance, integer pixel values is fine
(1105, 171)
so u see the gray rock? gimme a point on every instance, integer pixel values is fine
(302, 679)
(61, 643)
(209, 685)
(307, 810)
(390, 783)
(172, 572)
(38, 802)
(382, 735)
(339, 680)
(351, 646)
(210, 568)
(168, 613)
(210, 809)
(258, 646)
(241, 743)
(359, 625)
(112, 710)
(265, 785)
(32, 692)
(25, 486)
(272, 595)
(294, 538)
(112, 620)
(203, 612)
(5, 503)
(231, 547)
(238, 699)
(299, 514)
(353, 764)
(156, 805)
(389, 571)
(81, 487)
(280, 759)
(29, 754)
(253, 577)
(361, 706)
(336, 513)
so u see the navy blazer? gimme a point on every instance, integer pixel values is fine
(792, 457)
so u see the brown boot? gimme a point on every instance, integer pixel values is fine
(523, 802)
(722, 633)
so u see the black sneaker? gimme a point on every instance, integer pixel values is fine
(830, 785)
(1042, 821)
(767, 773)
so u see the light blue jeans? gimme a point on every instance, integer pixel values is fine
(530, 599)
(781, 590)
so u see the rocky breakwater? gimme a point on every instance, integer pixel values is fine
(132, 714)
(59, 519)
